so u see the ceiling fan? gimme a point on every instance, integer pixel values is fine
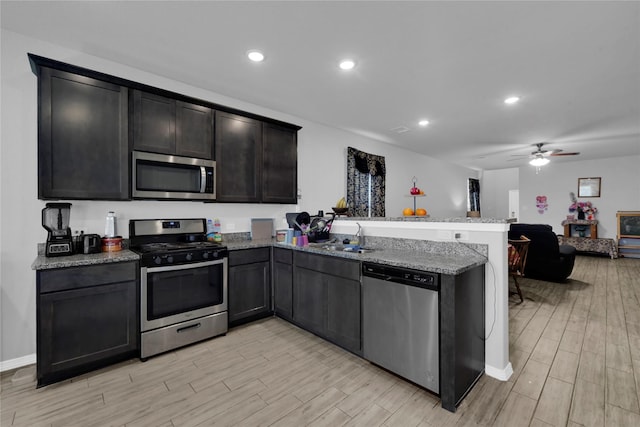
(539, 157)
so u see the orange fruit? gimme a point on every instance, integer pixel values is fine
(407, 212)
(421, 192)
(421, 212)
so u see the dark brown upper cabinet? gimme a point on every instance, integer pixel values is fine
(256, 160)
(89, 122)
(238, 158)
(83, 141)
(279, 164)
(171, 126)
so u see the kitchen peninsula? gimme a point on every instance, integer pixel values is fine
(491, 232)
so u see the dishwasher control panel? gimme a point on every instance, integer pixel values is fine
(401, 275)
(420, 277)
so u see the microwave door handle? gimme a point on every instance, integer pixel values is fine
(203, 179)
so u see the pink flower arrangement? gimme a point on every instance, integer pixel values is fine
(585, 207)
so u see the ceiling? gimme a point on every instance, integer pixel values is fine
(575, 66)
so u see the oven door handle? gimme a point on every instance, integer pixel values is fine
(185, 266)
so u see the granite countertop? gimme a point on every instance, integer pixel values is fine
(445, 263)
(427, 219)
(248, 244)
(436, 257)
(446, 259)
(46, 263)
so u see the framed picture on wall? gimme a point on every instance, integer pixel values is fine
(589, 187)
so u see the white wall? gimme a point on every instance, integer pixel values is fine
(494, 191)
(321, 178)
(620, 190)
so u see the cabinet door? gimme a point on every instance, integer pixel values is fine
(194, 130)
(238, 158)
(279, 164)
(154, 123)
(80, 328)
(283, 289)
(83, 141)
(343, 312)
(249, 290)
(309, 299)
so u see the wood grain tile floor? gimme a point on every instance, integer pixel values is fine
(575, 350)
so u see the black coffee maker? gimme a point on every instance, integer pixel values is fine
(55, 219)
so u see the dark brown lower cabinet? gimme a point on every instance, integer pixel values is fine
(87, 317)
(283, 283)
(249, 285)
(326, 298)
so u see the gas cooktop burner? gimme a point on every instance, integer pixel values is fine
(179, 246)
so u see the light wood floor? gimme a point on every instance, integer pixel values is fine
(575, 350)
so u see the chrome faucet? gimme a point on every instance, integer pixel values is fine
(359, 236)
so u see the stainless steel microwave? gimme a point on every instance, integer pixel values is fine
(162, 176)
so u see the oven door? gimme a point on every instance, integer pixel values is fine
(178, 293)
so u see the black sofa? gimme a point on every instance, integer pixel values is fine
(546, 260)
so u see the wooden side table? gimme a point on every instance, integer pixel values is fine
(592, 223)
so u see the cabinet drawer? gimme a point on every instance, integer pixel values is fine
(284, 256)
(248, 256)
(335, 266)
(85, 276)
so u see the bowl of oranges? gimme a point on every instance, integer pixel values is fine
(411, 212)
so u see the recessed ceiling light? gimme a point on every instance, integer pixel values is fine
(423, 122)
(255, 55)
(347, 64)
(511, 100)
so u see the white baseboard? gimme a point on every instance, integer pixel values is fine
(7, 365)
(499, 374)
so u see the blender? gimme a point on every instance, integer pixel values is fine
(55, 219)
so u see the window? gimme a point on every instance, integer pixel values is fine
(365, 183)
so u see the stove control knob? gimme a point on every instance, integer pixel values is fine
(205, 255)
(169, 259)
(157, 260)
(189, 257)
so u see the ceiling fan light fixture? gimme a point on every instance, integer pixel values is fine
(539, 161)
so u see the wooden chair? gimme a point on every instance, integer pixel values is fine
(517, 253)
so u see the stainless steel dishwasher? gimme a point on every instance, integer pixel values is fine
(400, 327)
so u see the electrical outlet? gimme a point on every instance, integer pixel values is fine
(231, 226)
(461, 235)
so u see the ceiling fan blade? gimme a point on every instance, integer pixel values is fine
(547, 153)
(564, 154)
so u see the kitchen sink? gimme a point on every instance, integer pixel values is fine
(339, 247)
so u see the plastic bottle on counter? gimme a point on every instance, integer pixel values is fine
(214, 231)
(110, 225)
(217, 231)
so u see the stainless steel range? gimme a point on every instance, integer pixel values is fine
(183, 283)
